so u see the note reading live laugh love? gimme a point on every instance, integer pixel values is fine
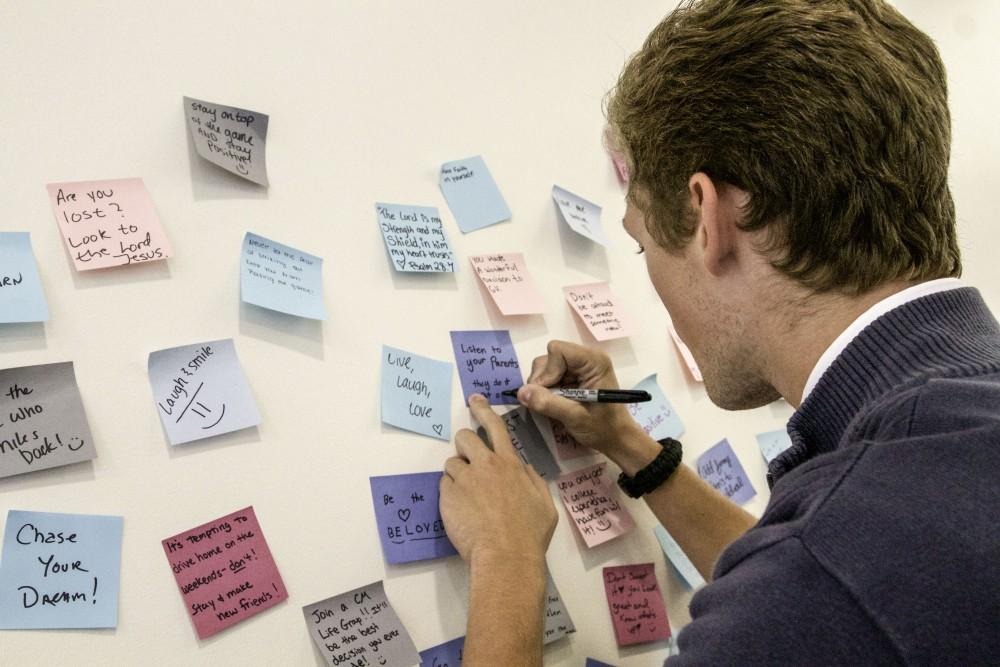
(224, 571)
(505, 276)
(408, 518)
(229, 137)
(487, 364)
(636, 605)
(21, 295)
(582, 216)
(414, 238)
(200, 391)
(416, 393)
(108, 223)
(42, 422)
(281, 278)
(472, 194)
(60, 571)
(719, 467)
(593, 504)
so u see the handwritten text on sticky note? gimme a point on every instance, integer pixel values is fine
(528, 442)
(414, 238)
(656, 417)
(582, 216)
(599, 310)
(409, 520)
(416, 393)
(636, 604)
(594, 505)
(279, 277)
(506, 278)
(773, 443)
(229, 137)
(558, 623)
(448, 654)
(720, 468)
(21, 295)
(487, 364)
(472, 194)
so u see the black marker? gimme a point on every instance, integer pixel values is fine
(596, 395)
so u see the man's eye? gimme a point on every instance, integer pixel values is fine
(640, 250)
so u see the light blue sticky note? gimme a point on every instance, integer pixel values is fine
(472, 194)
(414, 238)
(60, 571)
(281, 278)
(656, 417)
(773, 443)
(582, 216)
(685, 568)
(448, 654)
(21, 295)
(721, 468)
(416, 393)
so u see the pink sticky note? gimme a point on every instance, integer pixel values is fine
(598, 309)
(636, 605)
(621, 168)
(505, 276)
(108, 223)
(567, 446)
(594, 504)
(686, 355)
(224, 571)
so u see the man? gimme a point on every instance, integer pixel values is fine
(789, 189)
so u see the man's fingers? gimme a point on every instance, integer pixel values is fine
(469, 446)
(455, 466)
(496, 430)
(539, 399)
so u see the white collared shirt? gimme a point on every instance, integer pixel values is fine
(876, 311)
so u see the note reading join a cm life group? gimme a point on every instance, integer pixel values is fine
(487, 364)
(21, 295)
(409, 521)
(416, 393)
(281, 278)
(472, 194)
(199, 391)
(414, 238)
(229, 137)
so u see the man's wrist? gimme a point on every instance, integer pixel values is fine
(634, 449)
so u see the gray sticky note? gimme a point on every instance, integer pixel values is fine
(200, 391)
(360, 627)
(528, 442)
(558, 624)
(42, 422)
(229, 137)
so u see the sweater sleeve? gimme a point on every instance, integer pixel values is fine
(778, 606)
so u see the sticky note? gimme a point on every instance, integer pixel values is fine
(528, 442)
(594, 504)
(636, 605)
(773, 443)
(567, 447)
(582, 216)
(229, 137)
(656, 417)
(506, 278)
(281, 278)
(685, 568)
(599, 310)
(108, 223)
(472, 194)
(448, 654)
(686, 355)
(43, 422)
(414, 238)
(720, 468)
(60, 570)
(408, 517)
(621, 167)
(200, 391)
(225, 571)
(360, 627)
(487, 364)
(416, 393)
(21, 295)
(591, 662)
(558, 623)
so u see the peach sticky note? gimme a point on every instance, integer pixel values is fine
(505, 277)
(599, 310)
(108, 223)
(594, 505)
(686, 355)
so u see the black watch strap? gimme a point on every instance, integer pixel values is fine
(654, 474)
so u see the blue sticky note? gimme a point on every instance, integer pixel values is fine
(596, 663)
(408, 517)
(685, 568)
(582, 216)
(21, 295)
(720, 468)
(472, 194)
(487, 364)
(414, 238)
(773, 443)
(416, 393)
(448, 654)
(656, 417)
(281, 278)
(60, 571)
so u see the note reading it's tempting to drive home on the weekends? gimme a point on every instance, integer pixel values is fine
(44, 425)
(593, 504)
(229, 137)
(636, 604)
(558, 623)
(685, 568)
(408, 517)
(487, 364)
(505, 276)
(528, 442)
(108, 223)
(60, 571)
(448, 654)
(472, 194)
(773, 443)
(416, 393)
(224, 571)
(414, 238)
(200, 391)
(21, 295)
(686, 355)
(582, 216)
(599, 310)
(360, 627)
(281, 278)
(656, 417)
(720, 467)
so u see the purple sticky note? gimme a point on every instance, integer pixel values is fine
(487, 364)
(596, 663)
(720, 468)
(409, 521)
(448, 654)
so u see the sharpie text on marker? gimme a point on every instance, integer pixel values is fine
(597, 395)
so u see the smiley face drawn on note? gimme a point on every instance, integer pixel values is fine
(603, 525)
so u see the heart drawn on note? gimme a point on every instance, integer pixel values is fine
(404, 514)
(437, 428)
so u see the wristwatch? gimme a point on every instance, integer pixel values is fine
(654, 474)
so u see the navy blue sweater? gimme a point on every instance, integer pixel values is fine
(881, 541)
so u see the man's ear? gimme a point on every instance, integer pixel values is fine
(716, 230)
